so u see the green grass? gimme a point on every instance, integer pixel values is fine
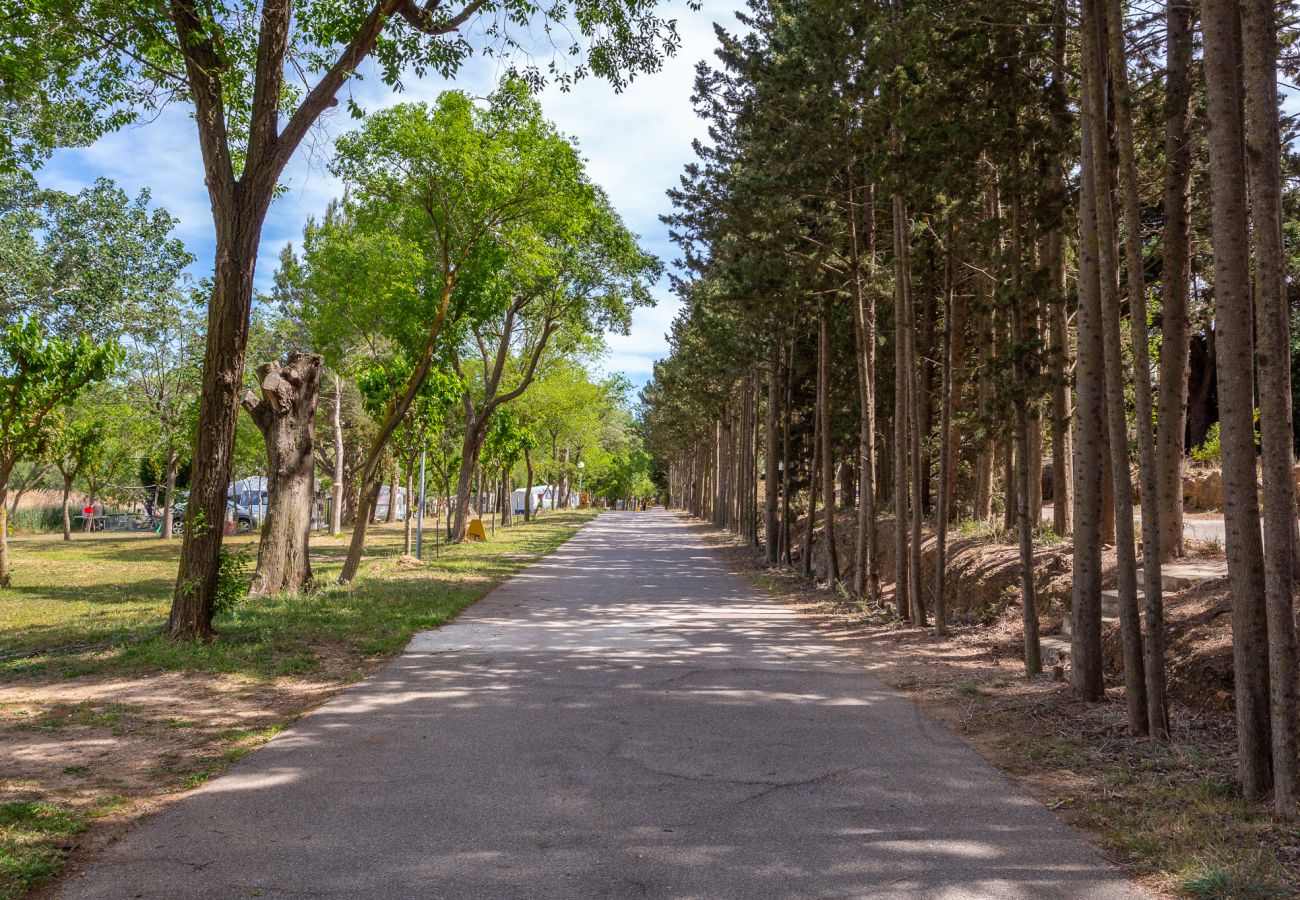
(96, 607)
(98, 604)
(31, 835)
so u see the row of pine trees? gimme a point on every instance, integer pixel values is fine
(941, 259)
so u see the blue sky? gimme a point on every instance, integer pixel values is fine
(635, 142)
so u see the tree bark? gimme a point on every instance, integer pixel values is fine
(406, 518)
(827, 460)
(771, 473)
(5, 577)
(945, 457)
(1259, 31)
(67, 513)
(902, 520)
(805, 562)
(1152, 590)
(1176, 315)
(528, 488)
(1085, 602)
(286, 416)
(169, 492)
(239, 216)
(1233, 326)
(390, 515)
(1094, 55)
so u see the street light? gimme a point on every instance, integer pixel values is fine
(581, 465)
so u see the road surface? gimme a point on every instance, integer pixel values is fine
(624, 718)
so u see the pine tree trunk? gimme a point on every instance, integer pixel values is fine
(771, 471)
(786, 554)
(805, 562)
(286, 417)
(902, 522)
(919, 468)
(1259, 31)
(827, 460)
(946, 456)
(1176, 315)
(1058, 330)
(1089, 452)
(1152, 589)
(1094, 55)
(1234, 350)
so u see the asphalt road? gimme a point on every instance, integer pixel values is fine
(624, 718)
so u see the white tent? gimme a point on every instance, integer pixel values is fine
(381, 505)
(545, 496)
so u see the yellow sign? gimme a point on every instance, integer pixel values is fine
(476, 532)
(584, 501)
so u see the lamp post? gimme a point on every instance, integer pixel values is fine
(581, 465)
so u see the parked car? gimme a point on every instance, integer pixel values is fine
(245, 519)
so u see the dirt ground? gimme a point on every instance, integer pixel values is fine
(117, 749)
(1167, 814)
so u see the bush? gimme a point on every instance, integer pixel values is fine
(233, 578)
(40, 519)
(1211, 450)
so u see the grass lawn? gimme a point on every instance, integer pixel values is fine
(84, 665)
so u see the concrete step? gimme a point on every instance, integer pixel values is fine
(1110, 604)
(1067, 623)
(1176, 576)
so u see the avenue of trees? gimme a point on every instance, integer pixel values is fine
(446, 315)
(941, 258)
(258, 76)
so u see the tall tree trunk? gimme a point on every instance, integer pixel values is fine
(1176, 311)
(337, 488)
(406, 517)
(1089, 451)
(866, 579)
(390, 515)
(238, 214)
(286, 416)
(786, 379)
(5, 577)
(528, 488)
(1094, 54)
(1233, 325)
(770, 538)
(1154, 632)
(827, 460)
(169, 491)
(1259, 31)
(902, 521)
(945, 457)
(67, 512)
(920, 472)
(1059, 335)
(805, 562)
